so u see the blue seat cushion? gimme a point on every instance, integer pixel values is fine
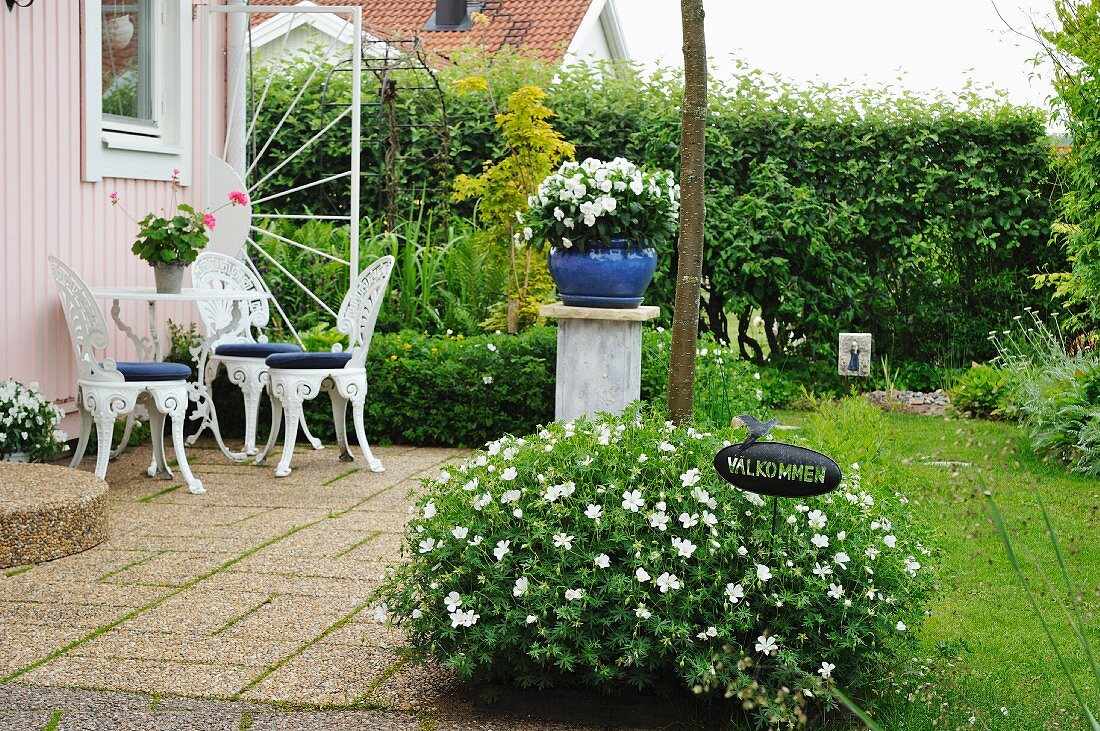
(255, 350)
(153, 371)
(310, 361)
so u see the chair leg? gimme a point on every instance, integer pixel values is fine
(293, 418)
(252, 394)
(85, 433)
(373, 462)
(339, 420)
(104, 433)
(194, 485)
(156, 436)
(314, 441)
(276, 422)
(125, 435)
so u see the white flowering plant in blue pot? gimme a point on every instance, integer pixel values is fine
(609, 554)
(604, 223)
(29, 424)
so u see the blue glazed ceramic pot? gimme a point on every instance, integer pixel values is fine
(613, 277)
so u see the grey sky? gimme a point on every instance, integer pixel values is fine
(938, 44)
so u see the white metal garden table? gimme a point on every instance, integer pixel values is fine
(150, 346)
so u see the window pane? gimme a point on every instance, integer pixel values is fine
(128, 60)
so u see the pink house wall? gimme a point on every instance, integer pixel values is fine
(45, 208)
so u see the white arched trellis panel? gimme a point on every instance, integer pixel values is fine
(242, 160)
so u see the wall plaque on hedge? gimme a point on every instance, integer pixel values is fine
(854, 354)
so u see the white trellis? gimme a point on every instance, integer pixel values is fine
(231, 163)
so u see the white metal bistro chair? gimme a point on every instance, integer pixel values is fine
(239, 350)
(107, 389)
(297, 377)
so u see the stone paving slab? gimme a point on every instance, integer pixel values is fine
(221, 680)
(149, 721)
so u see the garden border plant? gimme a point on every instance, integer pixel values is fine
(608, 553)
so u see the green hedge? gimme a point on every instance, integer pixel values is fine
(466, 391)
(918, 220)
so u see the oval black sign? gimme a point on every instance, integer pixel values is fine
(777, 469)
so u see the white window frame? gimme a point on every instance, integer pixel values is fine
(115, 149)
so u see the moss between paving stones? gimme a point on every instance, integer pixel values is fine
(48, 511)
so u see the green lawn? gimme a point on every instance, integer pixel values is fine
(994, 663)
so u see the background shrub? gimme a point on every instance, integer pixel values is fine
(924, 218)
(1056, 391)
(610, 553)
(984, 392)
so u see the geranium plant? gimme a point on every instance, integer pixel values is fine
(28, 422)
(609, 553)
(177, 237)
(590, 203)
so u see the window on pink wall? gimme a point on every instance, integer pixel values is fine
(138, 93)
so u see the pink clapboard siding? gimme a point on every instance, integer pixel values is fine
(45, 208)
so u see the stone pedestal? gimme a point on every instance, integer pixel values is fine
(599, 358)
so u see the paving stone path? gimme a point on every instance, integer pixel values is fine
(248, 607)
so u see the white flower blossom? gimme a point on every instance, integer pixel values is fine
(453, 601)
(766, 645)
(684, 548)
(689, 478)
(572, 594)
(642, 575)
(836, 591)
(826, 670)
(509, 474)
(667, 582)
(632, 500)
(820, 541)
(501, 550)
(460, 532)
(642, 613)
(763, 572)
(602, 561)
(429, 510)
(594, 512)
(563, 540)
(734, 593)
(521, 586)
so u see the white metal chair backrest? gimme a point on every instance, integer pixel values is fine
(218, 271)
(359, 310)
(87, 326)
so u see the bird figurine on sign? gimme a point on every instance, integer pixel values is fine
(757, 429)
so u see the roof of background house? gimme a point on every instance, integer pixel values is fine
(545, 27)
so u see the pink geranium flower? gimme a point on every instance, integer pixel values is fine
(209, 220)
(114, 199)
(238, 198)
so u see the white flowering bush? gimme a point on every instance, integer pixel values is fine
(609, 553)
(589, 203)
(28, 422)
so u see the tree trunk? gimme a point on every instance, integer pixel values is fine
(689, 269)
